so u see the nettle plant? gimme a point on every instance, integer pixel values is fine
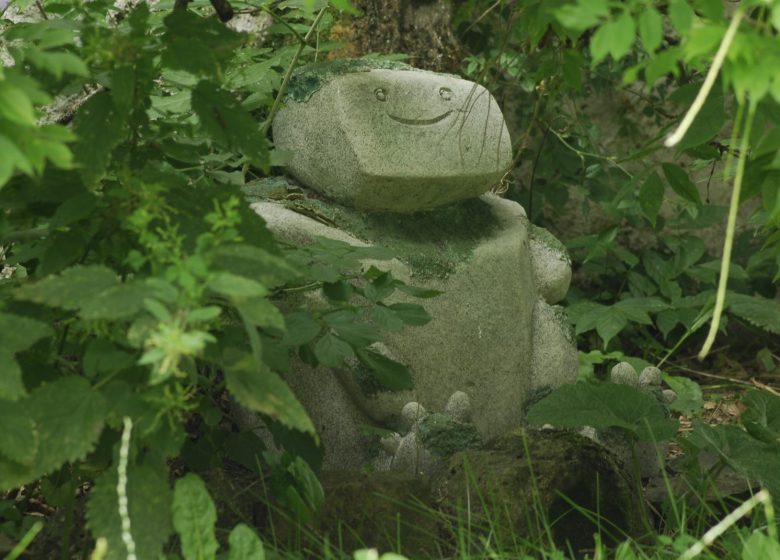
(674, 61)
(138, 289)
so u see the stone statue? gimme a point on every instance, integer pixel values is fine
(404, 158)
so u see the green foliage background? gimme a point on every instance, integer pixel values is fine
(137, 283)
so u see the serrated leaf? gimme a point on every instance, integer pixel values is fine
(763, 410)
(69, 417)
(393, 375)
(103, 356)
(760, 312)
(18, 437)
(194, 518)
(386, 318)
(651, 28)
(261, 390)
(245, 544)
(681, 15)
(115, 303)
(331, 351)
(222, 116)
(603, 406)
(583, 14)
(149, 500)
(680, 182)
(254, 262)
(614, 37)
(71, 289)
(99, 129)
(18, 333)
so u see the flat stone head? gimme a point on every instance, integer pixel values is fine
(396, 140)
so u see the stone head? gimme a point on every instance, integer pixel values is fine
(392, 139)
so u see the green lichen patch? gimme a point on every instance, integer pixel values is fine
(432, 243)
(308, 79)
(445, 436)
(544, 237)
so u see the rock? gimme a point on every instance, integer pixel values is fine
(624, 374)
(387, 137)
(528, 473)
(650, 377)
(421, 518)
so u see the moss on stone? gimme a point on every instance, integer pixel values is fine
(445, 437)
(308, 79)
(432, 243)
(546, 238)
(366, 380)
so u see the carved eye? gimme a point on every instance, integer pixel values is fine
(445, 93)
(380, 94)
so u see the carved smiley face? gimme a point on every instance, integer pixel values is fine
(445, 94)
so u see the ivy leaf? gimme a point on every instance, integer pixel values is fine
(18, 438)
(602, 406)
(99, 129)
(393, 375)
(222, 116)
(245, 544)
(194, 518)
(149, 506)
(681, 183)
(651, 28)
(261, 390)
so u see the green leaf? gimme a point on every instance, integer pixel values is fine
(194, 518)
(18, 333)
(11, 385)
(411, 313)
(15, 105)
(201, 46)
(393, 375)
(762, 417)
(254, 262)
(261, 390)
(708, 122)
(99, 129)
(614, 38)
(386, 318)
(222, 116)
(331, 351)
(115, 303)
(760, 547)
(681, 15)
(19, 437)
(73, 288)
(69, 417)
(760, 312)
(651, 196)
(680, 182)
(12, 159)
(341, 290)
(651, 28)
(583, 14)
(103, 356)
(689, 399)
(602, 406)
(245, 544)
(149, 505)
(301, 328)
(236, 287)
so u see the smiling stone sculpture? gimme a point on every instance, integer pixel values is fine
(390, 140)
(402, 158)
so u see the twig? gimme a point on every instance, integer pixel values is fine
(44, 15)
(713, 375)
(765, 387)
(283, 88)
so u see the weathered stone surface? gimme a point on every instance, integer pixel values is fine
(492, 336)
(399, 140)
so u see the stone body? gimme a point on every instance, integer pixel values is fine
(496, 334)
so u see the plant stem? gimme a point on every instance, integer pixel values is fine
(709, 81)
(283, 88)
(730, 228)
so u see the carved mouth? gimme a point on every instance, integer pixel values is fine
(420, 122)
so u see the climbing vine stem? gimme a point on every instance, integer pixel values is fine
(728, 244)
